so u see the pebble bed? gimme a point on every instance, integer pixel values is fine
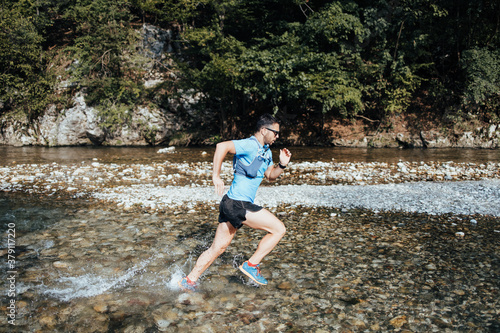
(434, 188)
(370, 247)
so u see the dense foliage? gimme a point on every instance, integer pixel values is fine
(300, 58)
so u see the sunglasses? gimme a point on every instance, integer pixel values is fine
(276, 133)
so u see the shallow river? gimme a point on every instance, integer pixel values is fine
(86, 262)
(22, 155)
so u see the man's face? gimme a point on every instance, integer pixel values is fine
(271, 133)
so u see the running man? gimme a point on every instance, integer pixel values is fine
(252, 162)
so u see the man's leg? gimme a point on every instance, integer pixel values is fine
(223, 237)
(265, 220)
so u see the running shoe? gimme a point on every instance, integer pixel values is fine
(186, 286)
(253, 273)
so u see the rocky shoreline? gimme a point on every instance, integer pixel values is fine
(94, 178)
(432, 188)
(447, 187)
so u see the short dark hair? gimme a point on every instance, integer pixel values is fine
(265, 120)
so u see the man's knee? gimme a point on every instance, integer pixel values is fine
(281, 230)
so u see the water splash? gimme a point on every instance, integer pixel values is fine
(93, 284)
(176, 276)
(90, 285)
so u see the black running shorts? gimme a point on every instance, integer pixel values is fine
(234, 211)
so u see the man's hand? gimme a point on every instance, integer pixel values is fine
(219, 185)
(274, 171)
(221, 151)
(285, 156)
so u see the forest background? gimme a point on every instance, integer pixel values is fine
(311, 63)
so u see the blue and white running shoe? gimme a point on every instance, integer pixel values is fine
(253, 273)
(186, 286)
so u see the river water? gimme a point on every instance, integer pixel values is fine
(23, 155)
(87, 262)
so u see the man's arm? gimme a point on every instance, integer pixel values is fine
(274, 171)
(221, 151)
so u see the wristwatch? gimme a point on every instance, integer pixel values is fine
(281, 165)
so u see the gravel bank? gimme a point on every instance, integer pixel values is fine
(470, 197)
(433, 188)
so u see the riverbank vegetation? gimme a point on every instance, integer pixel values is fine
(307, 61)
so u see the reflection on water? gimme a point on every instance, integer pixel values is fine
(66, 155)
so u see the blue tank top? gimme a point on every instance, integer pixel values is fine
(250, 162)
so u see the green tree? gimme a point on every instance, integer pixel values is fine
(25, 84)
(482, 85)
(297, 66)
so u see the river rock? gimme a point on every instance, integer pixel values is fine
(360, 324)
(60, 264)
(398, 322)
(48, 321)
(101, 307)
(407, 140)
(285, 285)
(96, 323)
(190, 298)
(164, 317)
(431, 267)
(134, 329)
